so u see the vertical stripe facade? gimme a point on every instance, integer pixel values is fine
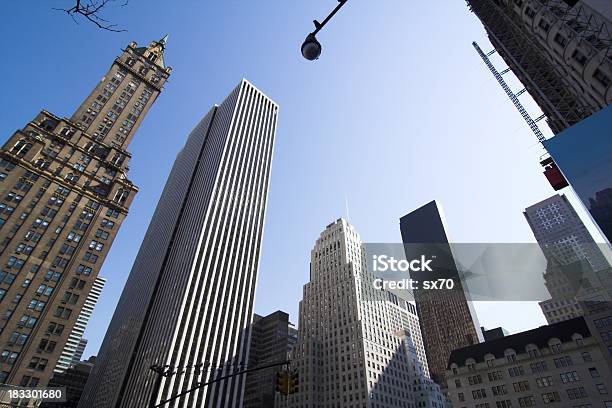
(189, 297)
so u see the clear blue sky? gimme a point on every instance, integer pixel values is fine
(399, 110)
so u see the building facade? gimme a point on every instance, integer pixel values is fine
(556, 365)
(75, 346)
(565, 242)
(188, 301)
(559, 49)
(64, 194)
(74, 379)
(272, 340)
(357, 346)
(447, 319)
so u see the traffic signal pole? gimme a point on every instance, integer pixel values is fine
(161, 373)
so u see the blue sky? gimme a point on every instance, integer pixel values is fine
(398, 111)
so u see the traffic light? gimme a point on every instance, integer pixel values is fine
(282, 382)
(292, 388)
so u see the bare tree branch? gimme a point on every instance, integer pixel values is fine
(91, 11)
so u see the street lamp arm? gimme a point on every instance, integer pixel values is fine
(319, 26)
(311, 48)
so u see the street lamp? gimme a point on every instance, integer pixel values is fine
(311, 48)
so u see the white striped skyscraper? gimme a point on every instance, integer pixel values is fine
(74, 343)
(189, 297)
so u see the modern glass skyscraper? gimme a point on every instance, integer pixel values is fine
(189, 299)
(64, 193)
(448, 321)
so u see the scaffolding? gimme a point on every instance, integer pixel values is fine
(544, 79)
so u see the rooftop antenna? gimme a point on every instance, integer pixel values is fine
(347, 208)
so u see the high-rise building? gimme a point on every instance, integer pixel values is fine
(557, 365)
(73, 350)
(74, 380)
(356, 345)
(188, 301)
(565, 241)
(78, 354)
(64, 193)
(272, 339)
(448, 320)
(559, 49)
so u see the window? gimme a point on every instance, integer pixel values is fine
(560, 39)
(495, 375)
(544, 382)
(527, 401)
(503, 404)
(55, 328)
(478, 394)
(47, 346)
(8, 356)
(107, 223)
(461, 397)
(95, 245)
(37, 305)
(70, 298)
(516, 371)
(27, 321)
(570, 376)
(499, 390)
(18, 338)
(38, 364)
(602, 78)
(602, 389)
(576, 393)
(83, 270)
(586, 357)
(579, 57)
(538, 367)
(475, 379)
(565, 361)
(544, 25)
(112, 213)
(550, 397)
(63, 312)
(521, 386)
(101, 234)
(53, 276)
(28, 381)
(594, 373)
(89, 257)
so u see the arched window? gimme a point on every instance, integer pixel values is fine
(21, 148)
(555, 345)
(121, 195)
(510, 355)
(532, 350)
(490, 360)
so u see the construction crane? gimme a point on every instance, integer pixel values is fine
(551, 170)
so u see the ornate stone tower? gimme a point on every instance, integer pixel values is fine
(64, 193)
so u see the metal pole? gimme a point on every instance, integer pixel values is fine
(319, 26)
(200, 385)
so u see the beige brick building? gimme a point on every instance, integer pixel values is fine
(560, 365)
(64, 193)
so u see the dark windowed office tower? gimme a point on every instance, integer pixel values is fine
(64, 193)
(189, 297)
(272, 340)
(448, 321)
